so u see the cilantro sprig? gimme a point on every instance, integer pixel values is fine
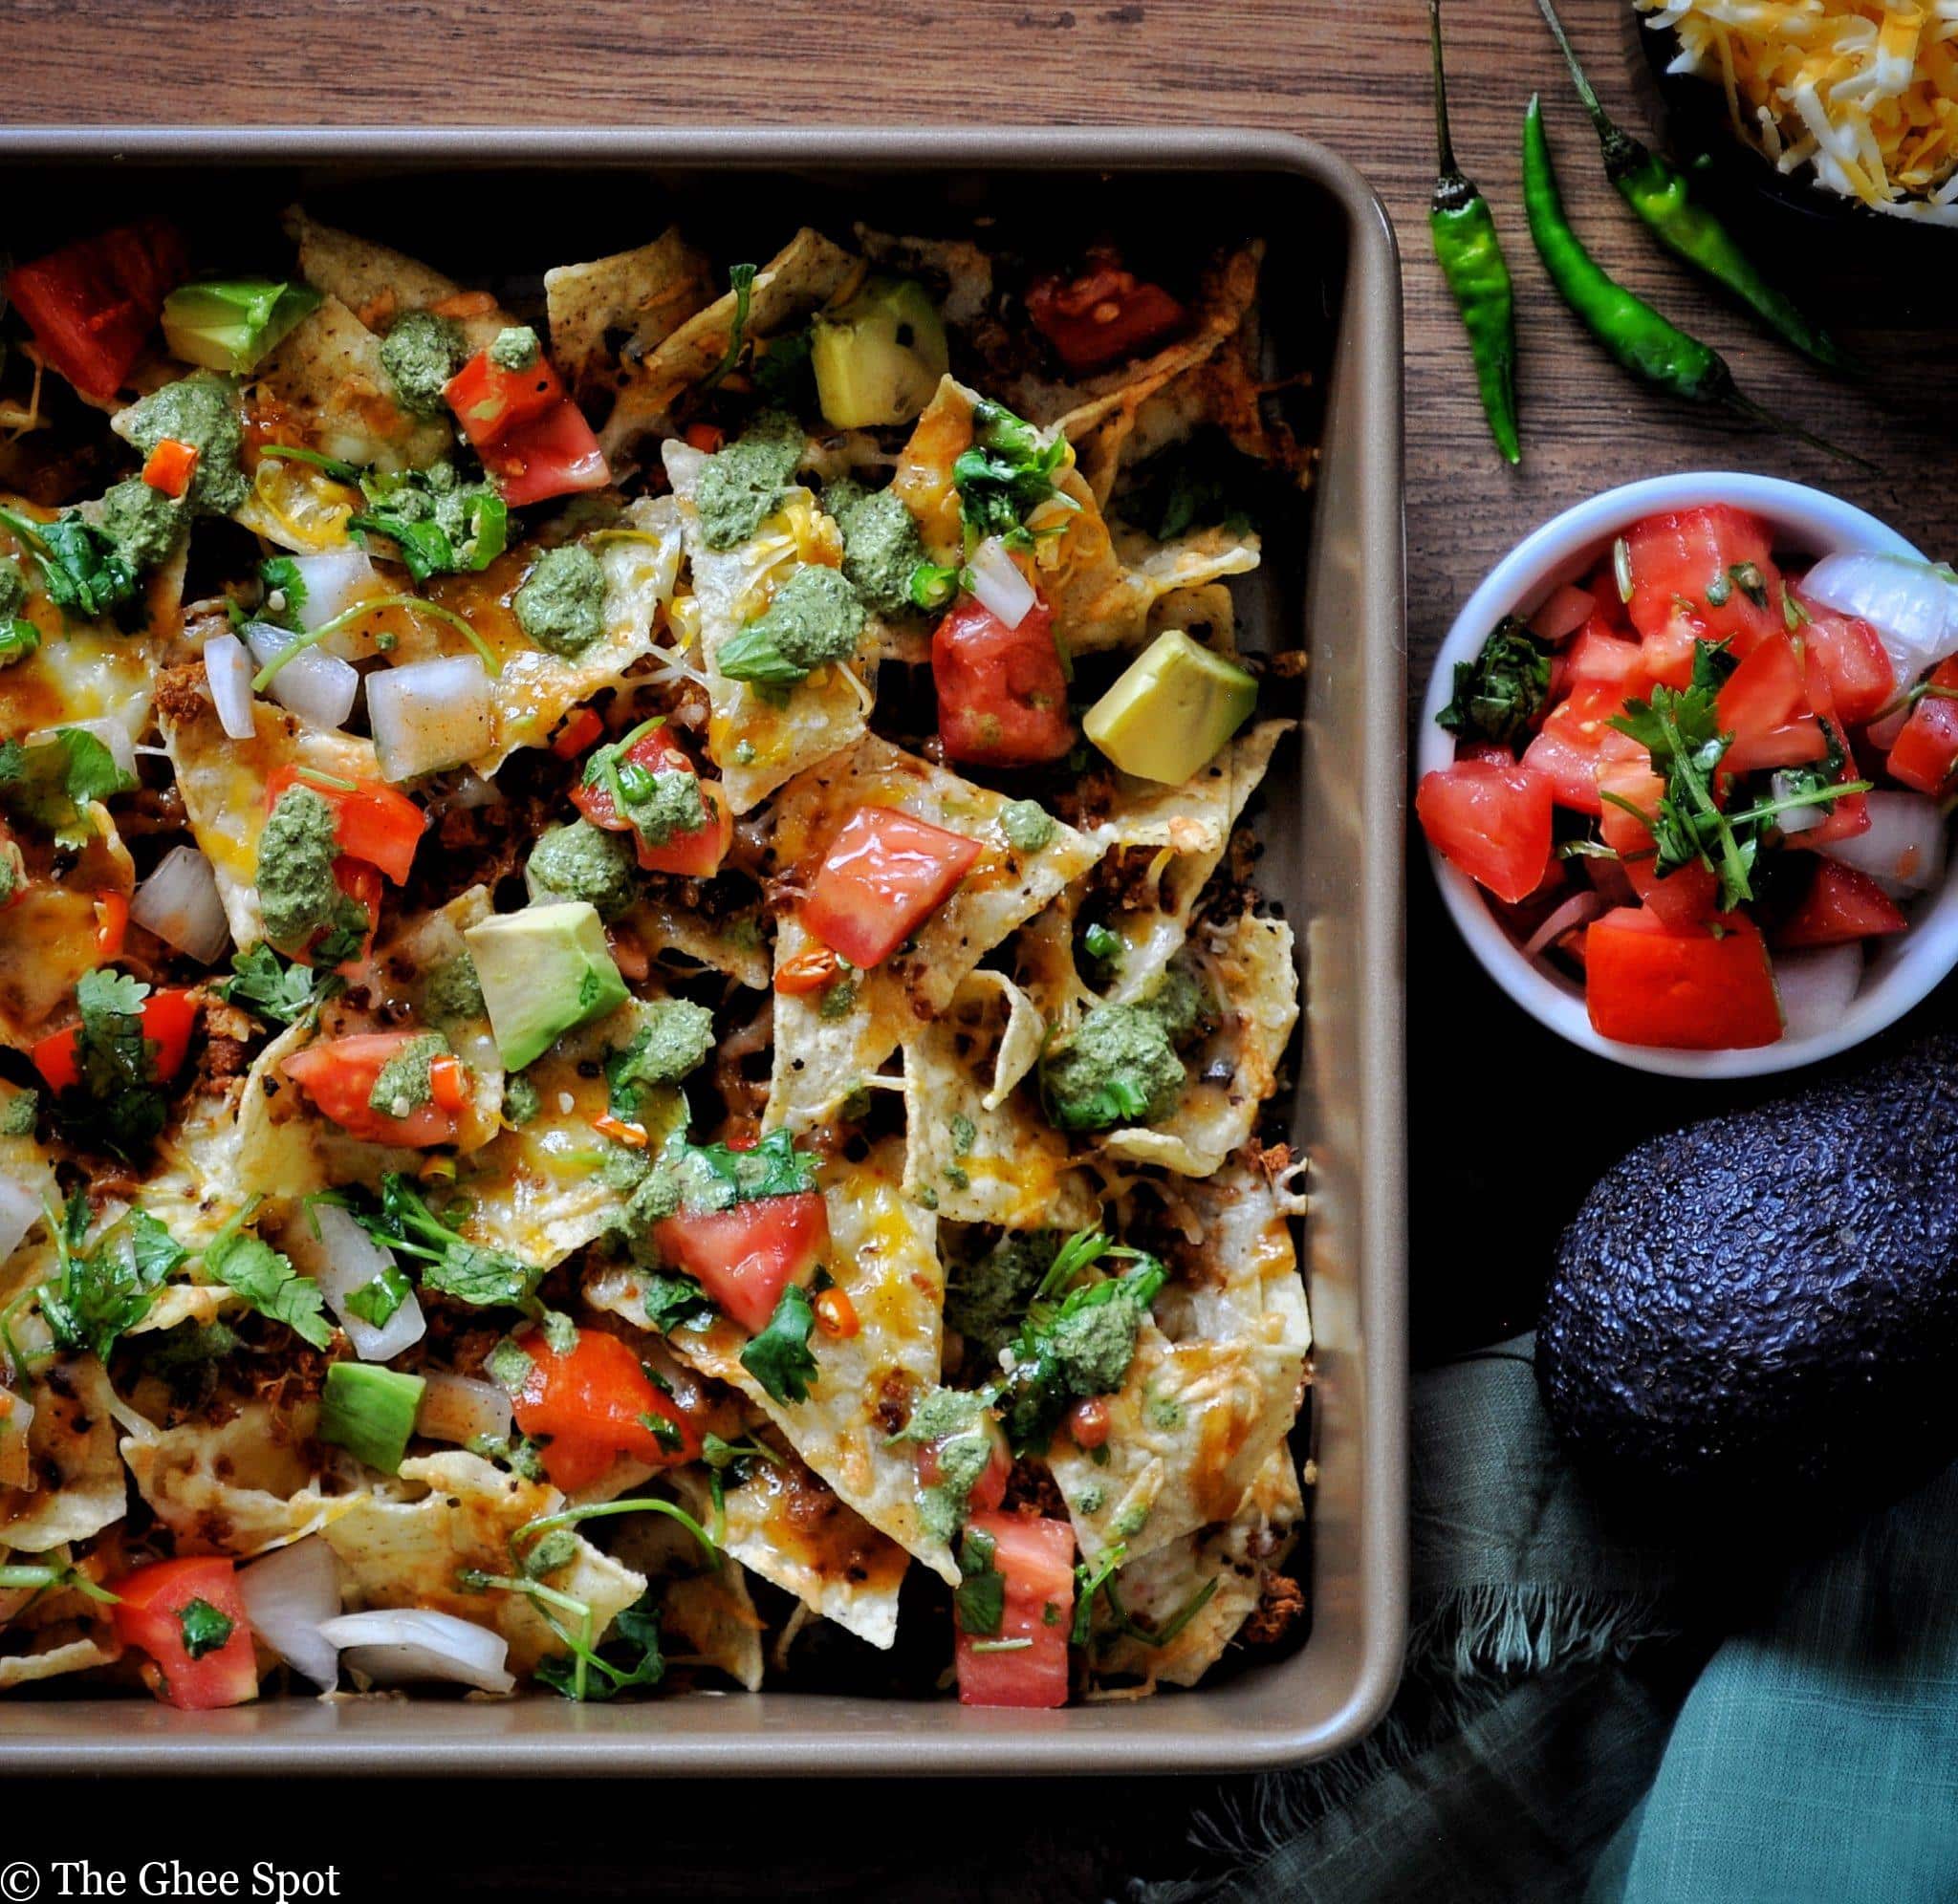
(1005, 475)
(1501, 692)
(101, 1297)
(281, 993)
(52, 782)
(778, 1358)
(451, 1265)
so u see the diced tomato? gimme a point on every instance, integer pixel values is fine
(989, 1489)
(338, 1074)
(1849, 814)
(706, 437)
(688, 856)
(1693, 988)
(92, 304)
(1492, 821)
(1103, 316)
(1841, 906)
(361, 884)
(1610, 610)
(533, 439)
(745, 1257)
(150, 1617)
(884, 876)
(371, 820)
(581, 727)
(1667, 655)
(112, 924)
(1860, 676)
(170, 467)
(1577, 741)
(168, 1019)
(1598, 654)
(1924, 754)
(1683, 570)
(1764, 706)
(1035, 1556)
(1682, 897)
(1002, 692)
(1492, 752)
(593, 1404)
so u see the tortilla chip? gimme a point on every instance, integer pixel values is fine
(957, 270)
(640, 297)
(884, 1259)
(1214, 1386)
(326, 378)
(732, 942)
(805, 273)
(407, 1553)
(784, 1524)
(48, 934)
(379, 283)
(237, 1487)
(1252, 963)
(542, 1189)
(704, 1611)
(757, 743)
(819, 1060)
(224, 781)
(50, 1661)
(82, 672)
(1237, 1554)
(975, 1145)
(80, 1489)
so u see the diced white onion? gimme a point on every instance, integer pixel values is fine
(228, 669)
(346, 1259)
(318, 687)
(997, 584)
(289, 1596)
(1904, 850)
(1912, 605)
(1794, 819)
(1579, 909)
(1565, 613)
(426, 715)
(457, 1409)
(20, 1209)
(416, 1643)
(180, 903)
(684, 464)
(333, 581)
(1817, 987)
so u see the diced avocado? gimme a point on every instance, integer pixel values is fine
(231, 323)
(543, 970)
(370, 1412)
(1171, 709)
(879, 358)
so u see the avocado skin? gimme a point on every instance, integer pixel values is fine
(1767, 1302)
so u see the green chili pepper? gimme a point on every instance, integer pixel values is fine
(1645, 343)
(1471, 256)
(1663, 197)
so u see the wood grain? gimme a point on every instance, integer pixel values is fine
(1354, 75)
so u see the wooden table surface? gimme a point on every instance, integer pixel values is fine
(1353, 73)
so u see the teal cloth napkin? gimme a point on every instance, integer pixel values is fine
(1594, 1708)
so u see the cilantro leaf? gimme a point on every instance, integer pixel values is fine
(52, 781)
(778, 1358)
(673, 1301)
(636, 1634)
(1499, 695)
(265, 985)
(283, 577)
(102, 1297)
(979, 1599)
(452, 1266)
(116, 1103)
(269, 1283)
(205, 1628)
(741, 282)
(82, 570)
(1006, 474)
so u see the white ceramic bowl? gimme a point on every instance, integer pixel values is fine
(1897, 974)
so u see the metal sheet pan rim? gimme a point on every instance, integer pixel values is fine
(792, 1733)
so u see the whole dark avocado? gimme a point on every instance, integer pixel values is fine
(1767, 1302)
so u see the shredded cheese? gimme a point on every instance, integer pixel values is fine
(1862, 92)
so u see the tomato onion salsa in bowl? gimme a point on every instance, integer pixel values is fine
(636, 1034)
(1683, 774)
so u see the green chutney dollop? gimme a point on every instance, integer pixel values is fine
(881, 546)
(420, 355)
(201, 410)
(561, 604)
(745, 484)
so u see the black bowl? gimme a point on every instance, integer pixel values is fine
(1852, 265)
